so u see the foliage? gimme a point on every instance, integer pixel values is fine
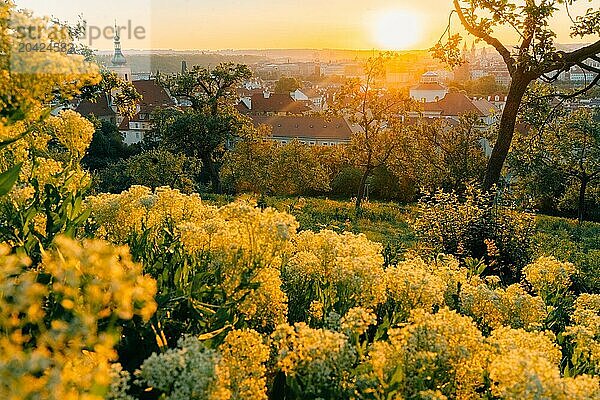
(285, 85)
(568, 149)
(447, 157)
(535, 57)
(152, 168)
(265, 167)
(477, 227)
(234, 371)
(211, 122)
(378, 113)
(58, 320)
(332, 272)
(314, 361)
(107, 147)
(481, 87)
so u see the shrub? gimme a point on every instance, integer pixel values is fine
(480, 226)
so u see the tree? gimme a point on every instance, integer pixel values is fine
(568, 148)
(107, 146)
(266, 167)
(481, 87)
(535, 57)
(378, 113)
(286, 85)
(152, 168)
(211, 122)
(446, 156)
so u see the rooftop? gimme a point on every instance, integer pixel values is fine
(293, 126)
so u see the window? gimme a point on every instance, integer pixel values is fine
(325, 144)
(137, 135)
(312, 143)
(284, 142)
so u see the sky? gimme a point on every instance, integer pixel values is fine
(267, 24)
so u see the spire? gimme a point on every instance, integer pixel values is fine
(118, 58)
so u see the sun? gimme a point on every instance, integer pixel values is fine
(396, 29)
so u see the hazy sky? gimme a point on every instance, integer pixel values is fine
(251, 24)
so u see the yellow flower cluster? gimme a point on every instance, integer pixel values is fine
(494, 308)
(120, 215)
(443, 351)
(349, 265)
(72, 131)
(319, 358)
(528, 373)
(357, 320)
(239, 237)
(99, 279)
(53, 345)
(549, 276)
(585, 332)
(244, 355)
(412, 285)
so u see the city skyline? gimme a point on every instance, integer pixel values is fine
(266, 24)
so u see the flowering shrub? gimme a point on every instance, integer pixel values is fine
(511, 306)
(443, 352)
(337, 271)
(315, 362)
(58, 338)
(234, 371)
(477, 226)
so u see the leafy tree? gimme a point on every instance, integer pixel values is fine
(152, 168)
(481, 87)
(534, 57)
(211, 122)
(567, 149)
(107, 146)
(378, 113)
(287, 84)
(446, 156)
(266, 167)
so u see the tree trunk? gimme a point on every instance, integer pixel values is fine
(506, 131)
(581, 205)
(361, 190)
(214, 174)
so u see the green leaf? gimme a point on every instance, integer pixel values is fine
(9, 178)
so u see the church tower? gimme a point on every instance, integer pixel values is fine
(119, 62)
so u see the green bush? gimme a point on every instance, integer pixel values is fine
(478, 226)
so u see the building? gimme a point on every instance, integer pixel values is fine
(118, 63)
(429, 90)
(101, 108)
(154, 96)
(307, 129)
(456, 104)
(272, 104)
(315, 99)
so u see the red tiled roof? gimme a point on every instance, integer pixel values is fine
(152, 94)
(453, 104)
(124, 126)
(305, 126)
(99, 107)
(276, 103)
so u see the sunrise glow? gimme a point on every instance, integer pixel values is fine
(397, 29)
